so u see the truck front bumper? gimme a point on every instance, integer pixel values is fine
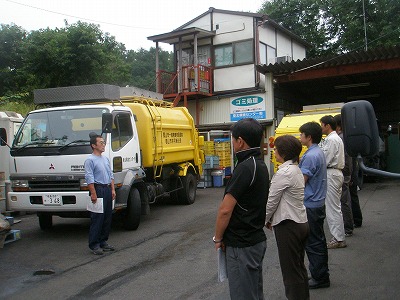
(48, 201)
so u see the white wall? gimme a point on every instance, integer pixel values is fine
(232, 28)
(232, 78)
(299, 51)
(214, 111)
(267, 35)
(284, 45)
(203, 23)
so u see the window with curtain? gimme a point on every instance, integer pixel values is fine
(234, 54)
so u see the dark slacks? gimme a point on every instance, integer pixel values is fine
(355, 205)
(355, 202)
(100, 224)
(291, 238)
(316, 249)
(244, 266)
(345, 201)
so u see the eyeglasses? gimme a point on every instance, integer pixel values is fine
(103, 143)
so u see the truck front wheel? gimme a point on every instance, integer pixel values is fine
(187, 194)
(133, 211)
(45, 221)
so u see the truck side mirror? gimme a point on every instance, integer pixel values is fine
(361, 135)
(106, 122)
(3, 137)
(360, 130)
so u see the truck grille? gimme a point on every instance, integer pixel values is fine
(57, 185)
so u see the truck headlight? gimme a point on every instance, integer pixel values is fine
(83, 185)
(20, 185)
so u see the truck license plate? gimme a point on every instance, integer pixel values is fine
(52, 199)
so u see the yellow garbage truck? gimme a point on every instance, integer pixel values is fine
(153, 147)
(291, 123)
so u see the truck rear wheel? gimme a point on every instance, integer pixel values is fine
(173, 185)
(45, 221)
(133, 211)
(187, 195)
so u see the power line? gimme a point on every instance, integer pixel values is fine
(365, 27)
(76, 17)
(342, 54)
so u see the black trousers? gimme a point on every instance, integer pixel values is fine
(355, 202)
(355, 205)
(291, 238)
(345, 201)
(316, 249)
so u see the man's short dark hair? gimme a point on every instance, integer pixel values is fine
(93, 138)
(249, 130)
(338, 120)
(329, 120)
(312, 129)
(289, 147)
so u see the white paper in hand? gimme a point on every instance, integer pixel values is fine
(95, 207)
(222, 272)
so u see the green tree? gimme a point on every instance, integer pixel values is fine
(78, 54)
(346, 23)
(143, 63)
(11, 52)
(335, 26)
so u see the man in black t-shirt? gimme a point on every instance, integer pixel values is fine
(241, 215)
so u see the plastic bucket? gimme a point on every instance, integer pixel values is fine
(217, 178)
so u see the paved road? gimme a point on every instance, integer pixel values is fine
(171, 256)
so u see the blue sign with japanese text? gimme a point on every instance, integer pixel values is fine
(247, 107)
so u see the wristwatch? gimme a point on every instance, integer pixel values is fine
(215, 241)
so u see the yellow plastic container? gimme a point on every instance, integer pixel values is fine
(221, 146)
(223, 154)
(209, 148)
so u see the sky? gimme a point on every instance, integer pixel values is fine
(130, 21)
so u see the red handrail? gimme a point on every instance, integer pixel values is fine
(168, 83)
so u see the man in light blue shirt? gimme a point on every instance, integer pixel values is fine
(313, 167)
(100, 180)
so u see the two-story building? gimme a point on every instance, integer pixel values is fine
(216, 55)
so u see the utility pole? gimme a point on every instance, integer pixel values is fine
(365, 28)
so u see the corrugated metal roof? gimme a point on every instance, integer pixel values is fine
(354, 57)
(372, 75)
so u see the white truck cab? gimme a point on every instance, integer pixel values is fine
(48, 155)
(9, 125)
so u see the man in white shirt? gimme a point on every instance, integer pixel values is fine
(333, 149)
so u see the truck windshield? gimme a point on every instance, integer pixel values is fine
(55, 128)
